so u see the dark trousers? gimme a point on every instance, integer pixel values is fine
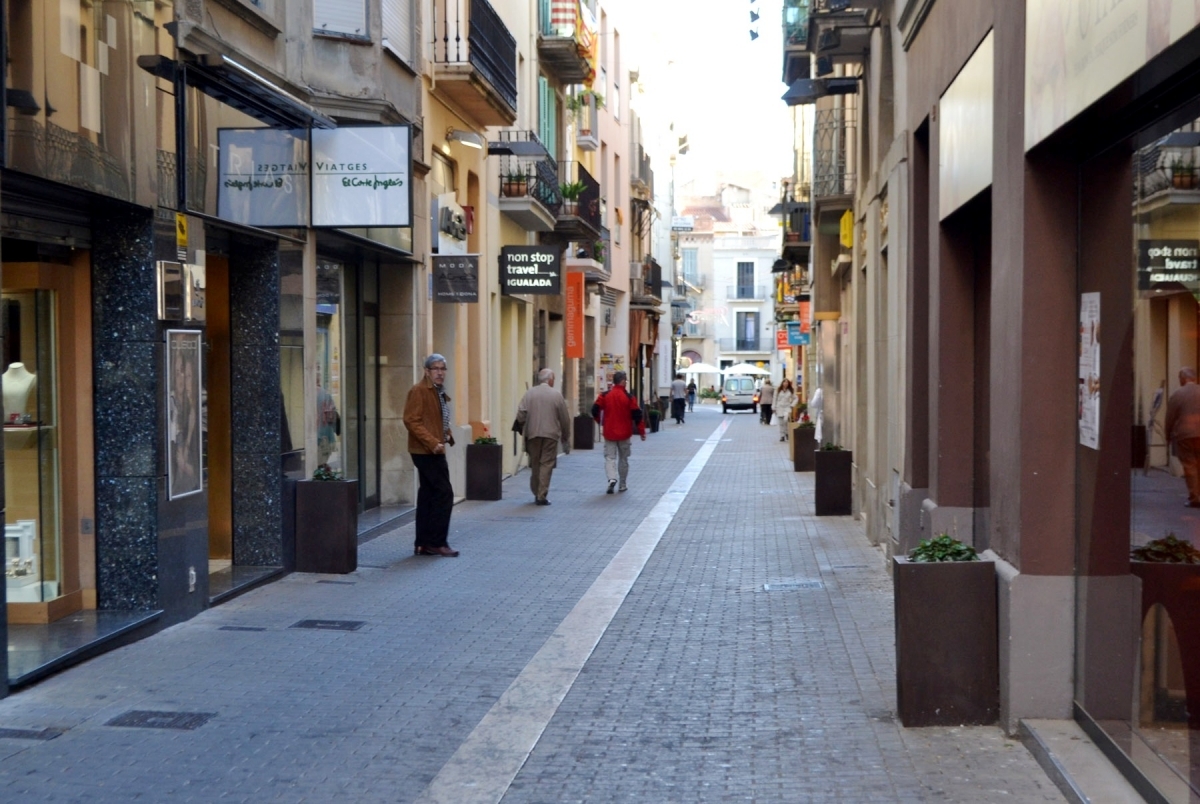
(764, 414)
(435, 500)
(677, 409)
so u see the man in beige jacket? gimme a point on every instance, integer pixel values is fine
(1183, 430)
(546, 422)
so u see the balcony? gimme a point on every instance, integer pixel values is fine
(834, 134)
(700, 331)
(839, 31)
(746, 292)
(581, 108)
(728, 345)
(645, 286)
(578, 217)
(641, 178)
(695, 281)
(566, 42)
(795, 40)
(475, 60)
(529, 191)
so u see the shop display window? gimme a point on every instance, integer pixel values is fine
(331, 405)
(32, 531)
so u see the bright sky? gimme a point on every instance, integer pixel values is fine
(702, 71)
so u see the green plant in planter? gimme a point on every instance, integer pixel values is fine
(830, 446)
(1167, 550)
(709, 393)
(808, 423)
(325, 472)
(572, 190)
(942, 548)
(486, 439)
(598, 251)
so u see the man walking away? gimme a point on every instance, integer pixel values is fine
(427, 417)
(766, 399)
(617, 413)
(691, 396)
(678, 398)
(1183, 430)
(546, 423)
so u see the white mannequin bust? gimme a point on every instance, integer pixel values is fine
(17, 384)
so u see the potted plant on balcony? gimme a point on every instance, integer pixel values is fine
(598, 251)
(514, 184)
(570, 194)
(833, 484)
(485, 464)
(947, 654)
(327, 523)
(1183, 174)
(576, 104)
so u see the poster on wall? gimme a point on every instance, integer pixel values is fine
(456, 278)
(263, 177)
(184, 471)
(1089, 370)
(361, 176)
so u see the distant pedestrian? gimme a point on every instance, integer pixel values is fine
(766, 399)
(785, 400)
(427, 417)
(678, 398)
(619, 414)
(546, 423)
(691, 395)
(1183, 431)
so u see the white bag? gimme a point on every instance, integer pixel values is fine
(774, 419)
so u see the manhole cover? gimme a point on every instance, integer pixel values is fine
(29, 734)
(140, 719)
(241, 628)
(339, 583)
(331, 625)
(793, 586)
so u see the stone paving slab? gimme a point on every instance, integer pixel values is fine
(704, 687)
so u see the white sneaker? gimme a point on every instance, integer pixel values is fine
(612, 484)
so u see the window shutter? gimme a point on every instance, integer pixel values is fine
(547, 117)
(340, 16)
(397, 28)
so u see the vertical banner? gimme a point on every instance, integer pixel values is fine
(575, 297)
(183, 413)
(1089, 370)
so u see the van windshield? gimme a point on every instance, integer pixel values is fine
(743, 385)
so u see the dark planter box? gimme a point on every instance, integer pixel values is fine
(485, 470)
(804, 446)
(653, 424)
(947, 654)
(327, 526)
(833, 483)
(585, 432)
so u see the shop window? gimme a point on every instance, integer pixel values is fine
(33, 566)
(329, 364)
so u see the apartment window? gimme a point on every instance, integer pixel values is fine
(547, 116)
(745, 280)
(691, 265)
(747, 332)
(398, 28)
(340, 17)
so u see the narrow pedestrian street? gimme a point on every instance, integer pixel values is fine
(701, 637)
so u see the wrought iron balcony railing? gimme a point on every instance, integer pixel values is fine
(834, 134)
(743, 344)
(471, 32)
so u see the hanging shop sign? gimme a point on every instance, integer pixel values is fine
(263, 177)
(796, 334)
(361, 176)
(456, 278)
(683, 223)
(576, 284)
(530, 269)
(1161, 261)
(781, 339)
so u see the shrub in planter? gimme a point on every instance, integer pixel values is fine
(485, 468)
(833, 484)
(327, 523)
(947, 655)
(804, 446)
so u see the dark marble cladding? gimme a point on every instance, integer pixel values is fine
(126, 543)
(257, 510)
(123, 275)
(126, 415)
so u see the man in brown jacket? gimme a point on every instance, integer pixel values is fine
(546, 422)
(1183, 430)
(427, 417)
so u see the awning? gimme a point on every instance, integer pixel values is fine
(792, 206)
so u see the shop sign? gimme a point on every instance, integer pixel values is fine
(530, 269)
(263, 177)
(361, 176)
(1162, 261)
(846, 229)
(574, 307)
(456, 278)
(796, 335)
(781, 339)
(683, 223)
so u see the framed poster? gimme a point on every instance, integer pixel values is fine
(184, 470)
(1089, 370)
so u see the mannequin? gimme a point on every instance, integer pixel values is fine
(17, 384)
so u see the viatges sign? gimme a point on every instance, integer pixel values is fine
(530, 269)
(361, 176)
(263, 177)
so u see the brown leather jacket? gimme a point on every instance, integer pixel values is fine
(423, 418)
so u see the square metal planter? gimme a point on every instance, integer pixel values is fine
(947, 651)
(804, 448)
(327, 526)
(485, 470)
(833, 485)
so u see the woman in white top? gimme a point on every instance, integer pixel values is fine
(785, 400)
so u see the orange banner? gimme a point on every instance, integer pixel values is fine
(575, 300)
(805, 316)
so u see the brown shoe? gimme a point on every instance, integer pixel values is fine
(442, 551)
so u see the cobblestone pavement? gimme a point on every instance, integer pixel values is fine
(702, 684)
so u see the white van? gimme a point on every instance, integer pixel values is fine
(739, 393)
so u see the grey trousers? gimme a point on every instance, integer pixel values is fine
(616, 460)
(543, 457)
